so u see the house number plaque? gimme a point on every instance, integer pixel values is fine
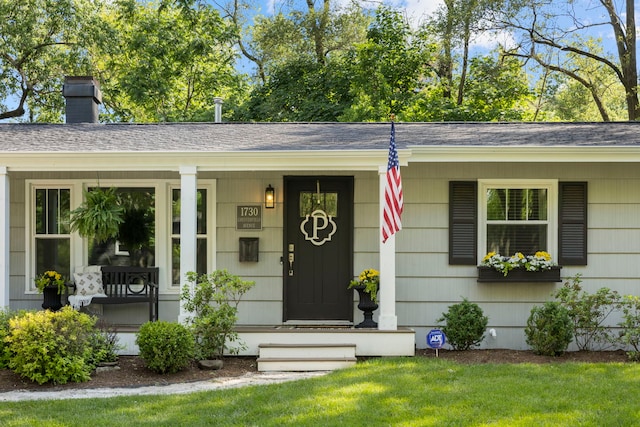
(249, 217)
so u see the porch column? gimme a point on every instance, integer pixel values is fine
(387, 320)
(4, 242)
(188, 224)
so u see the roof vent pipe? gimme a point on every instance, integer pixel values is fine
(82, 94)
(218, 109)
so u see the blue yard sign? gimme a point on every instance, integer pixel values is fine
(436, 338)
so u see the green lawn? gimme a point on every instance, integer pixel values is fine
(379, 392)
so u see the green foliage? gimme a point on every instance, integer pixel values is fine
(389, 69)
(104, 344)
(165, 63)
(300, 90)
(50, 278)
(99, 216)
(42, 40)
(5, 315)
(549, 329)
(50, 346)
(213, 300)
(630, 324)
(589, 313)
(369, 278)
(165, 347)
(495, 90)
(320, 33)
(465, 324)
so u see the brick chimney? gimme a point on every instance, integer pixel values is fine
(83, 96)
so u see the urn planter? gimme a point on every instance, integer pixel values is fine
(367, 306)
(52, 300)
(490, 274)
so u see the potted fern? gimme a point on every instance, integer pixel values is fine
(99, 216)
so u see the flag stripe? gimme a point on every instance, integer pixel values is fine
(393, 199)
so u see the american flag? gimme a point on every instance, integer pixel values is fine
(393, 203)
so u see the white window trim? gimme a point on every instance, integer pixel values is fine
(552, 205)
(31, 186)
(203, 184)
(78, 246)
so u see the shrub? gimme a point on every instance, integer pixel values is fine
(165, 347)
(465, 325)
(5, 315)
(104, 344)
(589, 313)
(50, 346)
(630, 324)
(213, 304)
(549, 329)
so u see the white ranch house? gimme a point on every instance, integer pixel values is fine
(205, 186)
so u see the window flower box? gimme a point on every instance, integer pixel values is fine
(518, 268)
(490, 274)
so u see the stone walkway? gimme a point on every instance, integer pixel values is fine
(260, 378)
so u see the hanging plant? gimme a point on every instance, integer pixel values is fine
(99, 216)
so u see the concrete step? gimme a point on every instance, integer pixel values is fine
(307, 350)
(303, 365)
(305, 357)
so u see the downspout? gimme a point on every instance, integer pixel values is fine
(4, 244)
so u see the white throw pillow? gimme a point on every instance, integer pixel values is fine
(88, 283)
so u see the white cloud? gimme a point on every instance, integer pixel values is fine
(419, 10)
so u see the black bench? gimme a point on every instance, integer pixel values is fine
(129, 285)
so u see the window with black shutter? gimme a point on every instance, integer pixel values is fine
(572, 223)
(463, 222)
(517, 217)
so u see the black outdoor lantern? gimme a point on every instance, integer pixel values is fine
(269, 197)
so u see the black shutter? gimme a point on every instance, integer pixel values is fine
(463, 222)
(572, 227)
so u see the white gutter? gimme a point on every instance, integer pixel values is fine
(354, 160)
(528, 154)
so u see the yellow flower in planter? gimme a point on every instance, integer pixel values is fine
(50, 278)
(540, 261)
(370, 279)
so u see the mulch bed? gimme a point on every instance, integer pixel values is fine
(132, 372)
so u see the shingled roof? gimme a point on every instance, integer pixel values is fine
(239, 137)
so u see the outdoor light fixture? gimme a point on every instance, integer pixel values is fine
(269, 197)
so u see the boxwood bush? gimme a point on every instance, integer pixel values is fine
(549, 329)
(165, 347)
(465, 324)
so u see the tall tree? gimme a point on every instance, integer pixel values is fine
(318, 33)
(299, 84)
(545, 25)
(496, 89)
(389, 69)
(300, 90)
(40, 42)
(457, 22)
(165, 64)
